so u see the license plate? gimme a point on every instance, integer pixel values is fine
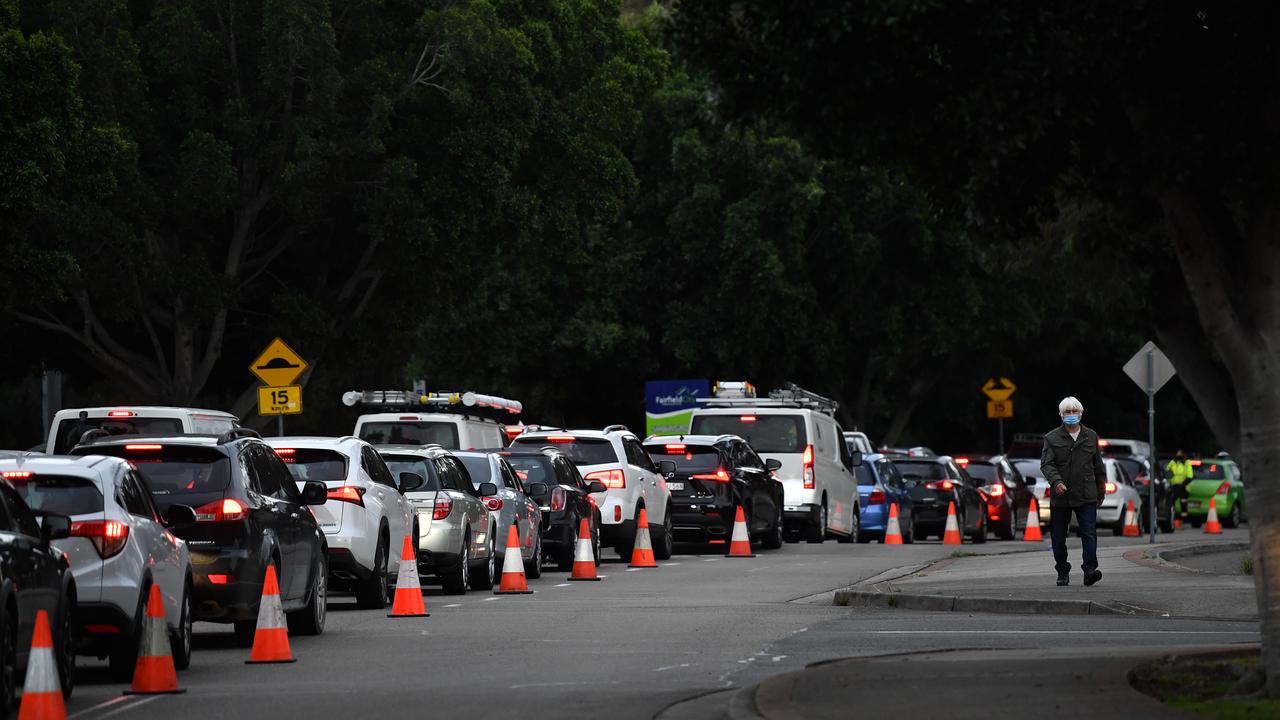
(1193, 503)
(675, 486)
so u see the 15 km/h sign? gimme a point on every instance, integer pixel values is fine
(285, 400)
(278, 365)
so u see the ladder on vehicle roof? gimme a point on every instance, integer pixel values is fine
(789, 395)
(433, 401)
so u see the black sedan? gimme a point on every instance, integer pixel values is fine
(709, 478)
(935, 483)
(33, 576)
(553, 481)
(1008, 497)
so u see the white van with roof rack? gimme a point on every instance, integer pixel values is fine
(798, 428)
(452, 420)
(70, 425)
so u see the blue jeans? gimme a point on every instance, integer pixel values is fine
(1060, 522)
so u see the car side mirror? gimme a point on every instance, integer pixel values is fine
(536, 488)
(179, 516)
(773, 464)
(595, 486)
(487, 488)
(410, 481)
(666, 467)
(855, 459)
(54, 527)
(315, 492)
(1028, 480)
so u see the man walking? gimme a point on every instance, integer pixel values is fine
(1077, 478)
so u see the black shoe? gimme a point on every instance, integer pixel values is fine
(1065, 580)
(1092, 577)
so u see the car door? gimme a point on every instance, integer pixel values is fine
(304, 531)
(844, 498)
(383, 499)
(896, 487)
(455, 474)
(513, 493)
(968, 496)
(153, 538)
(529, 516)
(748, 466)
(36, 577)
(273, 515)
(655, 496)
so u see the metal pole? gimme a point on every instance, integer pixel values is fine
(1000, 432)
(280, 425)
(1151, 442)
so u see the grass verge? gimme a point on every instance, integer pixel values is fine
(1215, 687)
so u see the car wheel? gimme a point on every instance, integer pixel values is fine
(595, 542)
(457, 580)
(310, 619)
(180, 641)
(564, 558)
(773, 537)
(372, 592)
(980, 536)
(1010, 529)
(64, 637)
(533, 568)
(910, 535)
(123, 655)
(1118, 529)
(816, 533)
(8, 663)
(664, 544)
(483, 580)
(854, 530)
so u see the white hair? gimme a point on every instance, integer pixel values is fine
(1069, 403)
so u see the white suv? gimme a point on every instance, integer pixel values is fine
(118, 547)
(367, 516)
(615, 457)
(797, 428)
(452, 420)
(70, 425)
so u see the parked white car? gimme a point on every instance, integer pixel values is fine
(367, 516)
(119, 547)
(615, 457)
(70, 425)
(1119, 486)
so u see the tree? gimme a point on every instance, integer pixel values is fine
(1160, 114)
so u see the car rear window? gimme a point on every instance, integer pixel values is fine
(863, 474)
(984, 472)
(70, 431)
(62, 494)
(314, 464)
(1131, 466)
(479, 469)
(688, 458)
(1208, 471)
(409, 463)
(766, 433)
(1029, 468)
(582, 451)
(921, 470)
(533, 469)
(174, 470)
(411, 432)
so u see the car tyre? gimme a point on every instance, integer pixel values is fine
(64, 637)
(533, 568)
(180, 641)
(816, 532)
(310, 619)
(1010, 529)
(664, 544)
(457, 580)
(123, 655)
(854, 531)
(595, 542)
(980, 536)
(772, 539)
(910, 536)
(484, 580)
(372, 592)
(1232, 519)
(564, 557)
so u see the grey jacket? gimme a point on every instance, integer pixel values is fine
(1076, 463)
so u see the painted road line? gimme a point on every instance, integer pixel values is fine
(1057, 632)
(565, 585)
(100, 706)
(132, 706)
(454, 605)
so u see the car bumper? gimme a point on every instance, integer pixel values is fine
(701, 521)
(226, 585)
(559, 530)
(99, 626)
(874, 519)
(439, 537)
(622, 533)
(1199, 506)
(344, 567)
(807, 513)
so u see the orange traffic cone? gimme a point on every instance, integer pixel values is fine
(584, 559)
(740, 541)
(951, 535)
(1211, 525)
(408, 601)
(513, 582)
(271, 641)
(1131, 528)
(892, 532)
(154, 674)
(1032, 531)
(42, 691)
(642, 553)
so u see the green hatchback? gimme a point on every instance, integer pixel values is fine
(1217, 478)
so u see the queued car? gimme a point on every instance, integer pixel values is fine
(452, 420)
(881, 485)
(70, 426)
(1030, 470)
(249, 513)
(1008, 497)
(119, 546)
(34, 576)
(615, 457)
(1138, 467)
(511, 504)
(367, 515)
(710, 477)
(1120, 491)
(1220, 479)
(457, 540)
(564, 498)
(934, 484)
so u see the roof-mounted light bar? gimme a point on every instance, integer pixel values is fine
(789, 395)
(434, 400)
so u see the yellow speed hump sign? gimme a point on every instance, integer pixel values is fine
(285, 400)
(278, 365)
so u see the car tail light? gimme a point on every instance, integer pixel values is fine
(942, 485)
(286, 452)
(16, 474)
(1223, 489)
(675, 448)
(220, 511)
(996, 490)
(143, 448)
(557, 498)
(493, 503)
(120, 413)
(877, 495)
(1104, 443)
(218, 579)
(612, 479)
(102, 629)
(408, 417)
(808, 467)
(1111, 487)
(1195, 463)
(747, 418)
(962, 461)
(348, 493)
(719, 476)
(107, 536)
(444, 506)
(561, 438)
(1213, 469)
(617, 513)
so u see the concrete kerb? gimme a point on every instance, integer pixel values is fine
(1172, 555)
(852, 597)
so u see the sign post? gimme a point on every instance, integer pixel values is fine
(278, 366)
(1150, 369)
(999, 406)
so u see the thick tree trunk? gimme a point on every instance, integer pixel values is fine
(1260, 459)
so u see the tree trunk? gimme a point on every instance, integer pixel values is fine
(904, 408)
(1260, 460)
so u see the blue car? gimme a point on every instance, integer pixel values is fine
(879, 486)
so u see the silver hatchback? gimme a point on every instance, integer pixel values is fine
(457, 535)
(511, 503)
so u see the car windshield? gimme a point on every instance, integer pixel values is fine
(416, 465)
(1208, 470)
(582, 451)
(70, 431)
(314, 464)
(411, 432)
(480, 469)
(688, 458)
(921, 470)
(533, 469)
(766, 433)
(62, 494)
(982, 472)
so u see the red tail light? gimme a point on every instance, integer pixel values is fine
(1111, 488)
(718, 476)
(16, 474)
(942, 485)
(144, 448)
(996, 490)
(444, 506)
(108, 536)
(747, 418)
(962, 461)
(808, 467)
(220, 511)
(557, 498)
(286, 452)
(561, 438)
(675, 448)
(617, 513)
(493, 503)
(1223, 489)
(120, 413)
(218, 579)
(1195, 463)
(877, 496)
(612, 479)
(348, 493)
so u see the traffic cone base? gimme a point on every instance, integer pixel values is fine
(740, 541)
(271, 640)
(1211, 524)
(1031, 533)
(1131, 528)
(408, 600)
(951, 535)
(584, 558)
(513, 581)
(154, 673)
(642, 552)
(892, 531)
(42, 690)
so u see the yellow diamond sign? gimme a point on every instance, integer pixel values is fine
(278, 365)
(999, 390)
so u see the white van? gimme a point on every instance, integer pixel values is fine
(797, 428)
(70, 425)
(454, 421)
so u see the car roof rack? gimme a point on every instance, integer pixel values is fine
(789, 395)
(238, 433)
(615, 428)
(466, 403)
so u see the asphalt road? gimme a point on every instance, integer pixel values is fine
(639, 644)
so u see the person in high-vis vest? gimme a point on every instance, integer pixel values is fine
(1179, 475)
